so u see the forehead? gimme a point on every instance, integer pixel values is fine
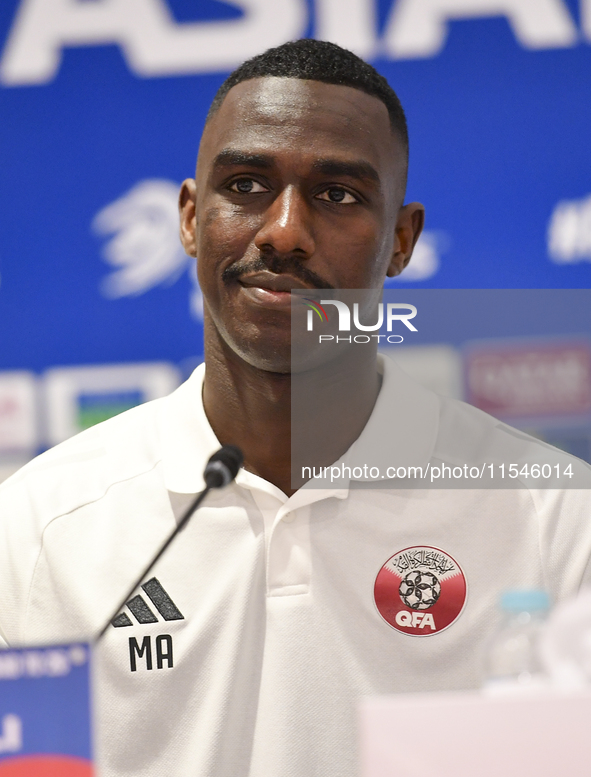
(304, 119)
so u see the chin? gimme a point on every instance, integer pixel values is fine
(267, 359)
(278, 358)
(263, 350)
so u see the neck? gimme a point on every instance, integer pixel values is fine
(253, 409)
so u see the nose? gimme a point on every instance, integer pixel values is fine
(287, 227)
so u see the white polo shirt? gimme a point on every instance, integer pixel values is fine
(248, 652)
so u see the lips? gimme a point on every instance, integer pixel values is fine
(270, 281)
(269, 289)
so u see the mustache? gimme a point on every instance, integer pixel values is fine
(278, 266)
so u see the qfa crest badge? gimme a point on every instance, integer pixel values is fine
(420, 591)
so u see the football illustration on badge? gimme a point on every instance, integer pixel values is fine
(420, 591)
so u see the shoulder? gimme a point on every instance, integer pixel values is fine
(507, 458)
(466, 431)
(83, 468)
(116, 455)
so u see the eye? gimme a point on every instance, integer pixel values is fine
(247, 186)
(337, 194)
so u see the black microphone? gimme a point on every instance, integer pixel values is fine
(223, 466)
(220, 470)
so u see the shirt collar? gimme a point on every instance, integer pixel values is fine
(188, 441)
(186, 436)
(401, 431)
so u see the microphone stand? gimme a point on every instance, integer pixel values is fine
(181, 524)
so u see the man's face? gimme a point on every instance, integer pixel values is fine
(299, 184)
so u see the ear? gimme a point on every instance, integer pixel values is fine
(409, 226)
(187, 216)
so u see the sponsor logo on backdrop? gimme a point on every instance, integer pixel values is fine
(419, 29)
(144, 246)
(79, 397)
(420, 591)
(154, 44)
(569, 232)
(540, 380)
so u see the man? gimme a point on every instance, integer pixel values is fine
(278, 607)
(299, 185)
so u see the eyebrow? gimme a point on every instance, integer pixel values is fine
(230, 158)
(362, 170)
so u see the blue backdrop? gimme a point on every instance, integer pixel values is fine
(102, 105)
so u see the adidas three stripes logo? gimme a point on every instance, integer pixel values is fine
(141, 611)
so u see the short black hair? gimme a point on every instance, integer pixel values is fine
(318, 60)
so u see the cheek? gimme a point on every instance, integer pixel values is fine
(223, 237)
(225, 226)
(361, 255)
